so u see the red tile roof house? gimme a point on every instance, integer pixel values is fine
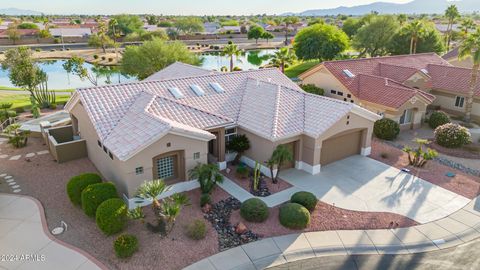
(396, 87)
(163, 127)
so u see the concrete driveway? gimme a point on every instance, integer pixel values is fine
(363, 184)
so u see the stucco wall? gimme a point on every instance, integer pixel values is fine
(417, 81)
(446, 101)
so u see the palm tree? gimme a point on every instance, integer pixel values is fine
(471, 48)
(231, 50)
(151, 190)
(208, 175)
(402, 19)
(280, 155)
(283, 57)
(415, 29)
(451, 14)
(112, 24)
(287, 22)
(467, 25)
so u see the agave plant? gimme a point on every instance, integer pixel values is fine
(17, 137)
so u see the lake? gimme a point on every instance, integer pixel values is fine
(58, 78)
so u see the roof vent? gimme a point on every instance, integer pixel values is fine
(348, 73)
(197, 89)
(217, 87)
(175, 92)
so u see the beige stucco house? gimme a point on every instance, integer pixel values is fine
(397, 87)
(163, 127)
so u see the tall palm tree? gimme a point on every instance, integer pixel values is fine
(451, 14)
(287, 22)
(208, 175)
(471, 48)
(467, 25)
(112, 24)
(402, 19)
(231, 50)
(415, 29)
(283, 57)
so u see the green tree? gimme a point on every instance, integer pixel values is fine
(231, 50)
(151, 19)
(27, 25)
(467, 25)
(189, 25)
(374, 37)
(208, 175)
(283, 57)
(75, 65)
(13, 33)
(430, 40)
(415, 29)
(44, 34)
(267, 36)
(402, 19)
(351, 26)
(230, 23)
(279, 157)
(451, 14)
(23, 71)
(128, 23)
(471, 48)
(320, 41)
(154, 55)
(255, 32)
(287, 22)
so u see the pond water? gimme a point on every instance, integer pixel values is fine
(58, 78)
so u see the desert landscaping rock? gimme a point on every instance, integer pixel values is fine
(17, 190)
(42, 152)
(17, 157)
(29, 155)
(3, 156)
(3, 175)
(8, 177)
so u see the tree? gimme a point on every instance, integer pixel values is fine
(189, 25)
(151, 19)
(415, 29)
(44, 34)
(374, 37)
(451, 14)
(283, 57)
(75, 65)
(467, 25)
(402, 19)
(154, 55)
(255, 32)
(320, 41)
(13, 33)
(287, 22)
(239, 144)
(351, 26)
(267, 36)
(429, 40)
(27, 25)
(471, 48)
(112, 26)
(101, 38)
(231, 50)
(280, 155)
(128, 23)
(208, 175)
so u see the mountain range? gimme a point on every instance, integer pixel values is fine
(413, 7)
(16, 12)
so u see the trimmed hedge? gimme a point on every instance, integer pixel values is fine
(452, 135)
(111, 216)
(307, 199)
(254, 210)
(294, 216)
(96, 194)
(197, 229)
(78, 183)
(125, 245)
(437, 119)
(386, 129)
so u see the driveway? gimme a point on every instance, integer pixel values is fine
(363, 184)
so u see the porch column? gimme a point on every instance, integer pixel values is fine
(222, 164)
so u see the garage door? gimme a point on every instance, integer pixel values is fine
(340, 147)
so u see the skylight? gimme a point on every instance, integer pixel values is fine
(348, 73)
(175, 92)
(217, 87)
(197, 89)
(424, 71)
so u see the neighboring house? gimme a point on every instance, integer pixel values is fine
(21, 32)
(452, 58)
(230, 29)
(70, 32)
(179, 70)
(396, 87)
(153, 129)
(211, 27)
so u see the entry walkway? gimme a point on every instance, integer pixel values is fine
(460, 227)
(24, 232)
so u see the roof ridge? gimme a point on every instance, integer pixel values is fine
(396, 85)
(276, 111)
(381, 57)
(450, 67)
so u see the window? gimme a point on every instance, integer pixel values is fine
(345, 99)
(110, 155)
(459, 102)
(406, 117)
(196, 155)
(105, 149)
(351, 101)
(230, 133)
(333, 92)
(165, 167)
(340, 93)
(139, 170)
(349, 96)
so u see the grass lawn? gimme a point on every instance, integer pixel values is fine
(23, 100)
(9, 88)
(294, 71)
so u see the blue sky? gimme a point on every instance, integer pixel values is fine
(183, 7)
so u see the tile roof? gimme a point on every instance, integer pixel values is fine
(178, 70)
(128, 117)
(454, 79)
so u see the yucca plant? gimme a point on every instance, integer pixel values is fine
(17, 137)
(419, 157)
(151, 190)
(171, 208)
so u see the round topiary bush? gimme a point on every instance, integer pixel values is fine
(111, 216)
(254, 210)
(78, 183)
(125, 245)
(307, 199)
(94, 195)
(294, 216)
(437, 119)
(386, 129)
(452, 135)
(197, 229)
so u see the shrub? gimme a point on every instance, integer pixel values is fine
(307, 199)
(110, 59)
(205, 199)
(313, 89)
(38, 50)
(78, 183)
(103, 58)
(437, 119)
(94, 195)
(53, 106)
(125, 245)
(196, 230)
(254, 210)
(242, 171)
(386, 129)
(111, 216)
(452, 135)
(294, 216)
(95, 56)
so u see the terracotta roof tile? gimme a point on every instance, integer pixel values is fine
(454, 79)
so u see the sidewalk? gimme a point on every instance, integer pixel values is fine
(458, 228)
(24, 232)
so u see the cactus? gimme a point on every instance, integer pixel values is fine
(35, 110)
(256, 176)
(42, 95)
